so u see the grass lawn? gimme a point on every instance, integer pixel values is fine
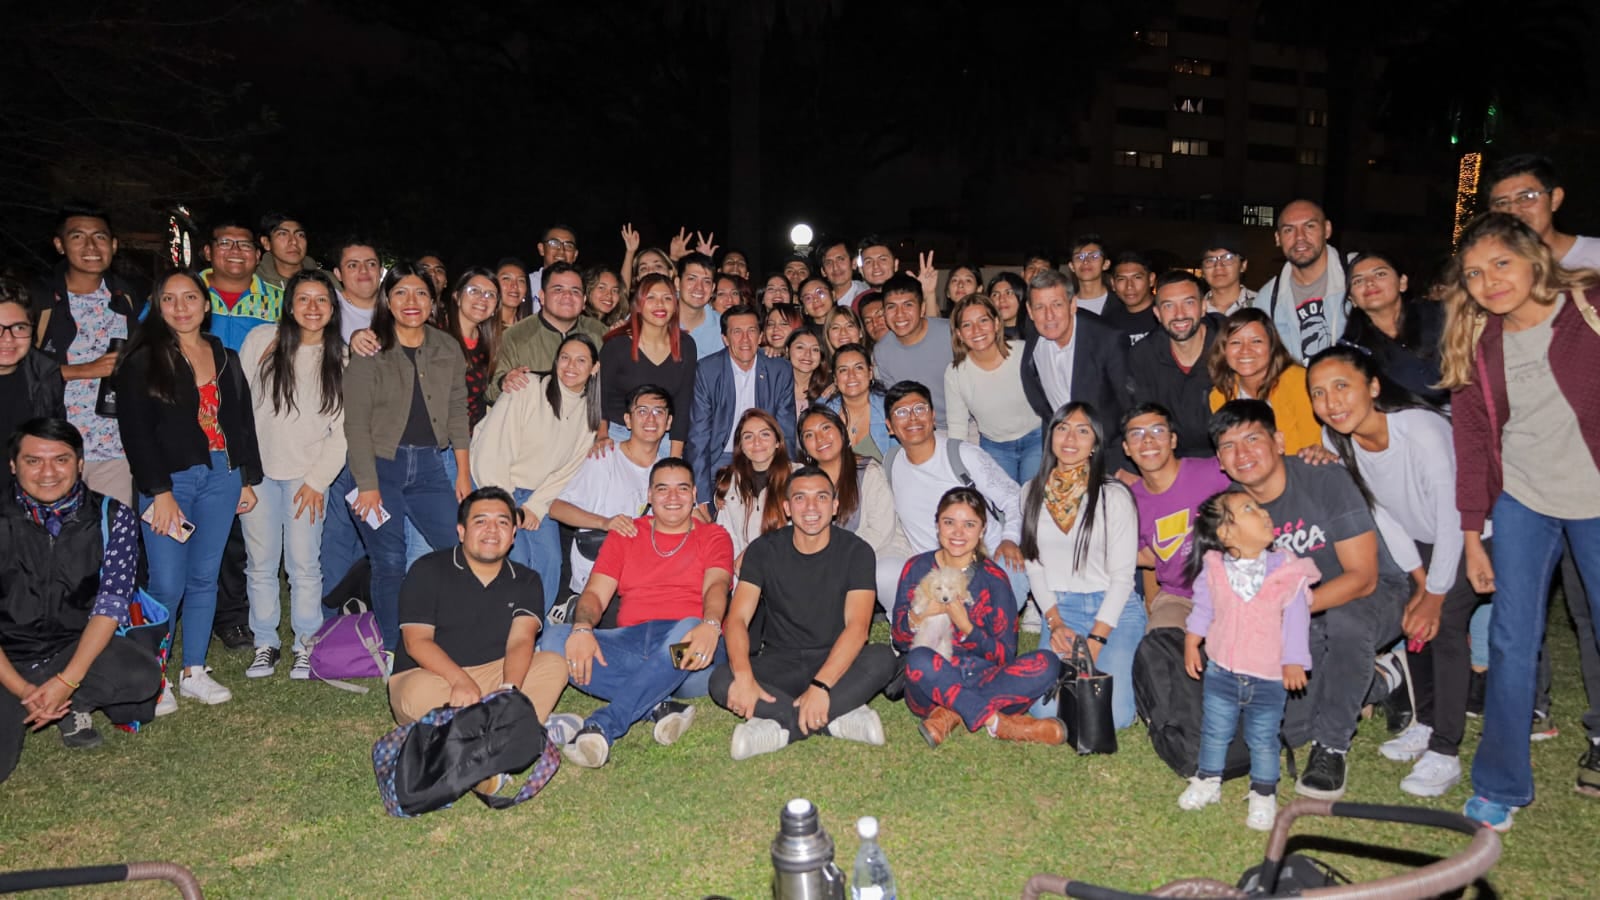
(273, 795)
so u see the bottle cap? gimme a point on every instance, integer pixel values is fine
(799, 806)
(867, 827)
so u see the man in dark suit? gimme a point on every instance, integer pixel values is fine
(726, 384)
(1074, 357)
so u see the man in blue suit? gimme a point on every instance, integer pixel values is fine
(726, 384)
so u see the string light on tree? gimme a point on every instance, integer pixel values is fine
(1466, 192)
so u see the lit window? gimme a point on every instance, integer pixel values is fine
(1256, 214)
(1190, 147)
(1310, 156)
(1136, 159)
(1151, 38)
(1317, 118)
(1187, 66)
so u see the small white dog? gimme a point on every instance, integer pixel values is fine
(940, 587)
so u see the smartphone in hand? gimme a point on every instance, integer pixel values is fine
(185, 527)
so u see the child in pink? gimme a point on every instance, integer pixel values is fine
(1252, 608)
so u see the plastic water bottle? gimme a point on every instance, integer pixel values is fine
(871, 879)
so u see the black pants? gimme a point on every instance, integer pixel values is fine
(233, 605)
(1588, 653)
(786, 674)
(124, 681)
(1441, 671)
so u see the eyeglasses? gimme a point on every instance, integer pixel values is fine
(233, 243)
(1088, 256)
(818, 294)
(1520, 199)
(648, 412)
(558, 244)
(915, 409)
(479, 293)
(1135, 435)
(19, 331)
(1221, 259)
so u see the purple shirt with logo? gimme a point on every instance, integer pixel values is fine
(1166, 520)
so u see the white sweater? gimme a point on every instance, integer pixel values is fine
(522, 443)
(301, 445)
(995, 399)
(1109, 561)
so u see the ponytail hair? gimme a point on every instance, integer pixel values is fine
(1209, 518)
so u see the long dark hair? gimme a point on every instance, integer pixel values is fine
(1098, 485)
(383, 324)
(1209, 517)
(1391, 398)
(821, 378)
(277, 366)
(489, 330)
(591, 388)
(744, 474)
(848, 489)
(157, 338)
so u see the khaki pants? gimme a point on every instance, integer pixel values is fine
(1168, 611)
(414, 692)
(112, 478)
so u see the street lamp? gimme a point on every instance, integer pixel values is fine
(800, 236)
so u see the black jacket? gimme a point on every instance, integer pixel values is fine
(53, 310)
(45, 391)
(1187, 395)
(1413, 360)
(1099, 377)
(163, 438)
(47, 585)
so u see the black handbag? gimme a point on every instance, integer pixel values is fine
(1083, 702)
(588, 541)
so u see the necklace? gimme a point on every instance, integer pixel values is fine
(674, 550)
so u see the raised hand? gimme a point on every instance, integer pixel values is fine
(630, 238)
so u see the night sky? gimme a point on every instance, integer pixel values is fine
(466, 128)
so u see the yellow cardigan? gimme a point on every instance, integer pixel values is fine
(1291, 405)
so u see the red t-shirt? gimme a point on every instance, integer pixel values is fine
(651, 586)
(230, 299)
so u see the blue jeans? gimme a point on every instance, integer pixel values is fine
(554, 636)
(539, 550)
(413, 486)
(1479, 631)
(1116, 657)
(638, 673)
(184, 576)
(342, 543)
(416, 545)
(1019, 458)
(1525, 550)
(1230, 698)
(271, 532)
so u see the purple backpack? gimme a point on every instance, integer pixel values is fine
(348, 646)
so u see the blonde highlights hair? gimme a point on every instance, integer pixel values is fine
(958, 347)
(1465, 319)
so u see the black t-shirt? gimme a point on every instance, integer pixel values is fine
(419, 429)
(1319, 507)
(470, 621)
(802, 596)
(1133, 325)
(14, 410)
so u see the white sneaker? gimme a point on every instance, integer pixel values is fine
(1263, 811)
(563, 727)
(168, 704)
(860, 724)
(196, 683)
(1200, 793)
(1409, 744)
(1029, 622)
(758, 736)
(1433, 774)
(589, 748)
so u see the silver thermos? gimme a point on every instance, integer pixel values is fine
(802, 857)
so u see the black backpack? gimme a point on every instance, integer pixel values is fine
(1170, 703)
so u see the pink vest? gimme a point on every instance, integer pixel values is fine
(1247, 638)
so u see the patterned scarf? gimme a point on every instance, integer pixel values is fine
(1064, 494)
(49, 516)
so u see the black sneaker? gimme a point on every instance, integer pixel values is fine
(1476, 684)
(236, 637)
(264, 663)
(78, 733)
(1589, 770)
(1396, 707)
(1323, 778)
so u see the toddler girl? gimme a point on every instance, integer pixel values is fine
(1252, 607)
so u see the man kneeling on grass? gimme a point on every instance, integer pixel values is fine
(64, 587)
(813, 671)
(468, 619)
(670, 578)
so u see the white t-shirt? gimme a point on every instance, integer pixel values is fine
(917, 489)
(1096, 305)
(1109, 562)
(744, 397)
(608, 486)
(353, 318)
(1585, 254)
(1055, 369)
(857, 288)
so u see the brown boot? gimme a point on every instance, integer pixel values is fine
(1030, 730)
(938, 725)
